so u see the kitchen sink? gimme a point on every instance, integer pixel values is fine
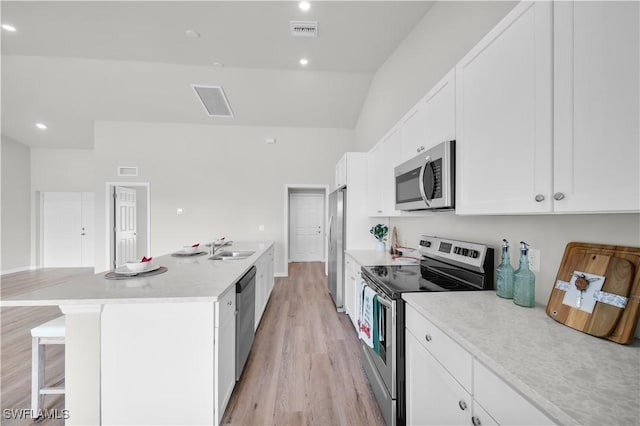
(231, 255)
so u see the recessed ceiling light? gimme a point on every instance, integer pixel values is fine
(304, 5)
(9, 28)
(304, 61)
(192, 34)
(218, 64)
(41, 126)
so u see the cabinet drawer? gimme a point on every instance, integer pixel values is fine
(503, 403)
(226, 307)
(451, 355)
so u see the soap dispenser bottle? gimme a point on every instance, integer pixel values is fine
(505, 273)
(525, 281)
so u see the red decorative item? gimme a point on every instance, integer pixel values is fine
(195, 245)
(146, 259)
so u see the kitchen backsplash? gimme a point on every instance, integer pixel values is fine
(547, 233)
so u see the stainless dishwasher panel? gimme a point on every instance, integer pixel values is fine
(245, 304)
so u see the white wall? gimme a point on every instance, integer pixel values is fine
(16, 207)
(227, 180)
(445, 34)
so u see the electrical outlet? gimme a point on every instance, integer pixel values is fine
(534, 259)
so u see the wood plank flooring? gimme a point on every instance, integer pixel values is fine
(304, 367)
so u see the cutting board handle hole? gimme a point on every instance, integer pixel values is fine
(554, 313)
(593, 258)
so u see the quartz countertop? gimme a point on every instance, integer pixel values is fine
(575, 377)
(373, 257)
(188, 279)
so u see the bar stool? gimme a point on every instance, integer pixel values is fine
(50, 333)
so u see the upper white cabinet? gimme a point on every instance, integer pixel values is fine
(381, 162)
(432, 120)
(547, 112)
(351, 170)
(341, 172)
(596, 106)
(504, 117)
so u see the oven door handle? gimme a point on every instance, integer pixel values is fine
(423, 169)
(384, 302)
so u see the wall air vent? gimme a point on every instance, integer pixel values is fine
(304, 28)
(214, 100)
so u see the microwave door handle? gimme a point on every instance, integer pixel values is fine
(423, 169)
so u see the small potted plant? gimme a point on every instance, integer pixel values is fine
(380, 231)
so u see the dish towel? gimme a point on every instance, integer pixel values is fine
(368, 318)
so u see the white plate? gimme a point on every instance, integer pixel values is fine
(122, 270)
(189, 253)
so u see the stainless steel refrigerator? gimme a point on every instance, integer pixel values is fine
(337, 203)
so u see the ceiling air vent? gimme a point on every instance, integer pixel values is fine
(214, 100)
(304, 28)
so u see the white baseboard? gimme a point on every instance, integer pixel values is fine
(13, 271)
(280, 275)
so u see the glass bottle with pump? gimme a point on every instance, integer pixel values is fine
(505, 273)
(524, 293)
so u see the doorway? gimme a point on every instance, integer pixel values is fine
(128, 225)
(305, 223)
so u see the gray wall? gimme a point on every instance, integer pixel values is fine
(446, 33)
(227, 180)
(16, 206)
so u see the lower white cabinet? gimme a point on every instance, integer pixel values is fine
(225, 350)
(264, 284)
(352, 279)
(447, 385)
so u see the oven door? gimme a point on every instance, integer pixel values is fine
(380, 368)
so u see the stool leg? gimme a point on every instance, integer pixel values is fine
(36, 374)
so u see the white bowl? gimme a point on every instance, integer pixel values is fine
(190, 249)
(137, 266)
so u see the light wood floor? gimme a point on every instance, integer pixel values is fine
(304, 367)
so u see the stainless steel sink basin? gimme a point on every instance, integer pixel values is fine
(231, 255)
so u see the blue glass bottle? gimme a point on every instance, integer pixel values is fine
(505, 273)
(524, 286)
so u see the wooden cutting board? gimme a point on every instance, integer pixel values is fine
(621, 268)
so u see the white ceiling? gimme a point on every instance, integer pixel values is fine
(72, 63)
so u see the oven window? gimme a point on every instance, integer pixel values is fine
(407, 188)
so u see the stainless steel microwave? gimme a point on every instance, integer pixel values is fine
(427, 181)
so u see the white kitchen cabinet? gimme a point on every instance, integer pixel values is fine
(225, 353)
(352, 280)
(596, 106)
(264, 284)
(504, 117)
(446, 384)
(434, 397)
(432, 120)
(381, 162)
(502, 401)
(341, 172)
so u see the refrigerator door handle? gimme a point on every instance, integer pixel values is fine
(330, 229)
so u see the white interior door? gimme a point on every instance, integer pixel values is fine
(67, 229)
(306, 227)
(125, 225)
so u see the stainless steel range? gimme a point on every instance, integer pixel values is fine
(446, 265)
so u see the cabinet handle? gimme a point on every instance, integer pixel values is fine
(558, 196)
(229, 302)
(539, 198)
(476, 421)
(462, 405)
(427, 337)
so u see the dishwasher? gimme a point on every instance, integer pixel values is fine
(245, 320)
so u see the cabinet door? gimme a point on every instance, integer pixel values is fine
(381, 162)
(433, 395)
(480, 416)
(375, 162)
(596, 104)
(504, 117)
(225, 349)
(432, 120)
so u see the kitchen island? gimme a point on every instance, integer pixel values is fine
(149, 350)
(571, 377)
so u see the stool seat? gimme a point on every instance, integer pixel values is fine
(54, 328)
(49, 333)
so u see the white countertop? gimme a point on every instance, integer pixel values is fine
(573, 376)
(188, 279)
(373, 257)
